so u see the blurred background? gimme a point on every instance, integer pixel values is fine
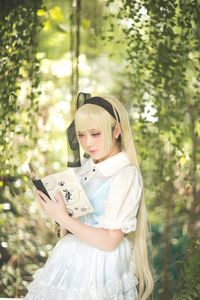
(145, 53)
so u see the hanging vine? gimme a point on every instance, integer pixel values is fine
(18, 72)
(162, 39)
(19, 82)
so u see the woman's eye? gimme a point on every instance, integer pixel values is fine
(96, 134)
(80, 134)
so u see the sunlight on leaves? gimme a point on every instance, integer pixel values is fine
(56, 14)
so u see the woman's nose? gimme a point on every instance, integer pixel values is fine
(89, 140)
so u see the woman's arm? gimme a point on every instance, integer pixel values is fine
(104, 239)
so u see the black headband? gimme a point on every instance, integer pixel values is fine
(105, 104)
(72, 141)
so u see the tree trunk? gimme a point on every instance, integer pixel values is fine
(78, 17)
(169, 203)
(194, 204)
(75, 18)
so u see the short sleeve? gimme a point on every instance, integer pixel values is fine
(121, 206)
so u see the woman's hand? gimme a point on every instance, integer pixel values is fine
(54, 210)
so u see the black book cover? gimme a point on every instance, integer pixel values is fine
(40, 186)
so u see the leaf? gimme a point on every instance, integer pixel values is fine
(85, 23)
(41, 12)
(56, 14)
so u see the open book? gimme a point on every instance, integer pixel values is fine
(66, 181)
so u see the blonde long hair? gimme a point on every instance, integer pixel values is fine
(104, 121)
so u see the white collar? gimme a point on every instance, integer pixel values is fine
(107, 167)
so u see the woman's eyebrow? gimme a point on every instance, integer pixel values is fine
(80, 132)
(94, 129)
(89, 130)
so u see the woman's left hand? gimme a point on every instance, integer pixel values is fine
(54, 210)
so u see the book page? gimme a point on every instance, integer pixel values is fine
(74, 196)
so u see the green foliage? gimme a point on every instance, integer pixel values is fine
(146, 53)
(23, 246)
(190, 273)
(18, 67)
(19, 105)
(56, 34)
(162, 43)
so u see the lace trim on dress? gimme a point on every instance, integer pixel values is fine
(110, 291)
(126, 227)
(131, 294)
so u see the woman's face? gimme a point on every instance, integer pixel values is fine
(92, 141)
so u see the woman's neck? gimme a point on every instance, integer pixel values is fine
(115, 151)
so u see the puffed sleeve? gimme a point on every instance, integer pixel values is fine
(121, 206)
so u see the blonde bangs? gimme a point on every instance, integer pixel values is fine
(103, 120)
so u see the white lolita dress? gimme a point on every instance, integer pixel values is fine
(77, 271)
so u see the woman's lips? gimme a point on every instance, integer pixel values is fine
(92, 151)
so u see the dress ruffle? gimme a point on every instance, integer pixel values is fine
(114, 290)
(76, 271)
(126, 227)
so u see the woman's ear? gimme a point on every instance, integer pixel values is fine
(117, 131)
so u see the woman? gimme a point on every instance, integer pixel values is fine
(104, 257)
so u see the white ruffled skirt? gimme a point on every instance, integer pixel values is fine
(76, 271)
